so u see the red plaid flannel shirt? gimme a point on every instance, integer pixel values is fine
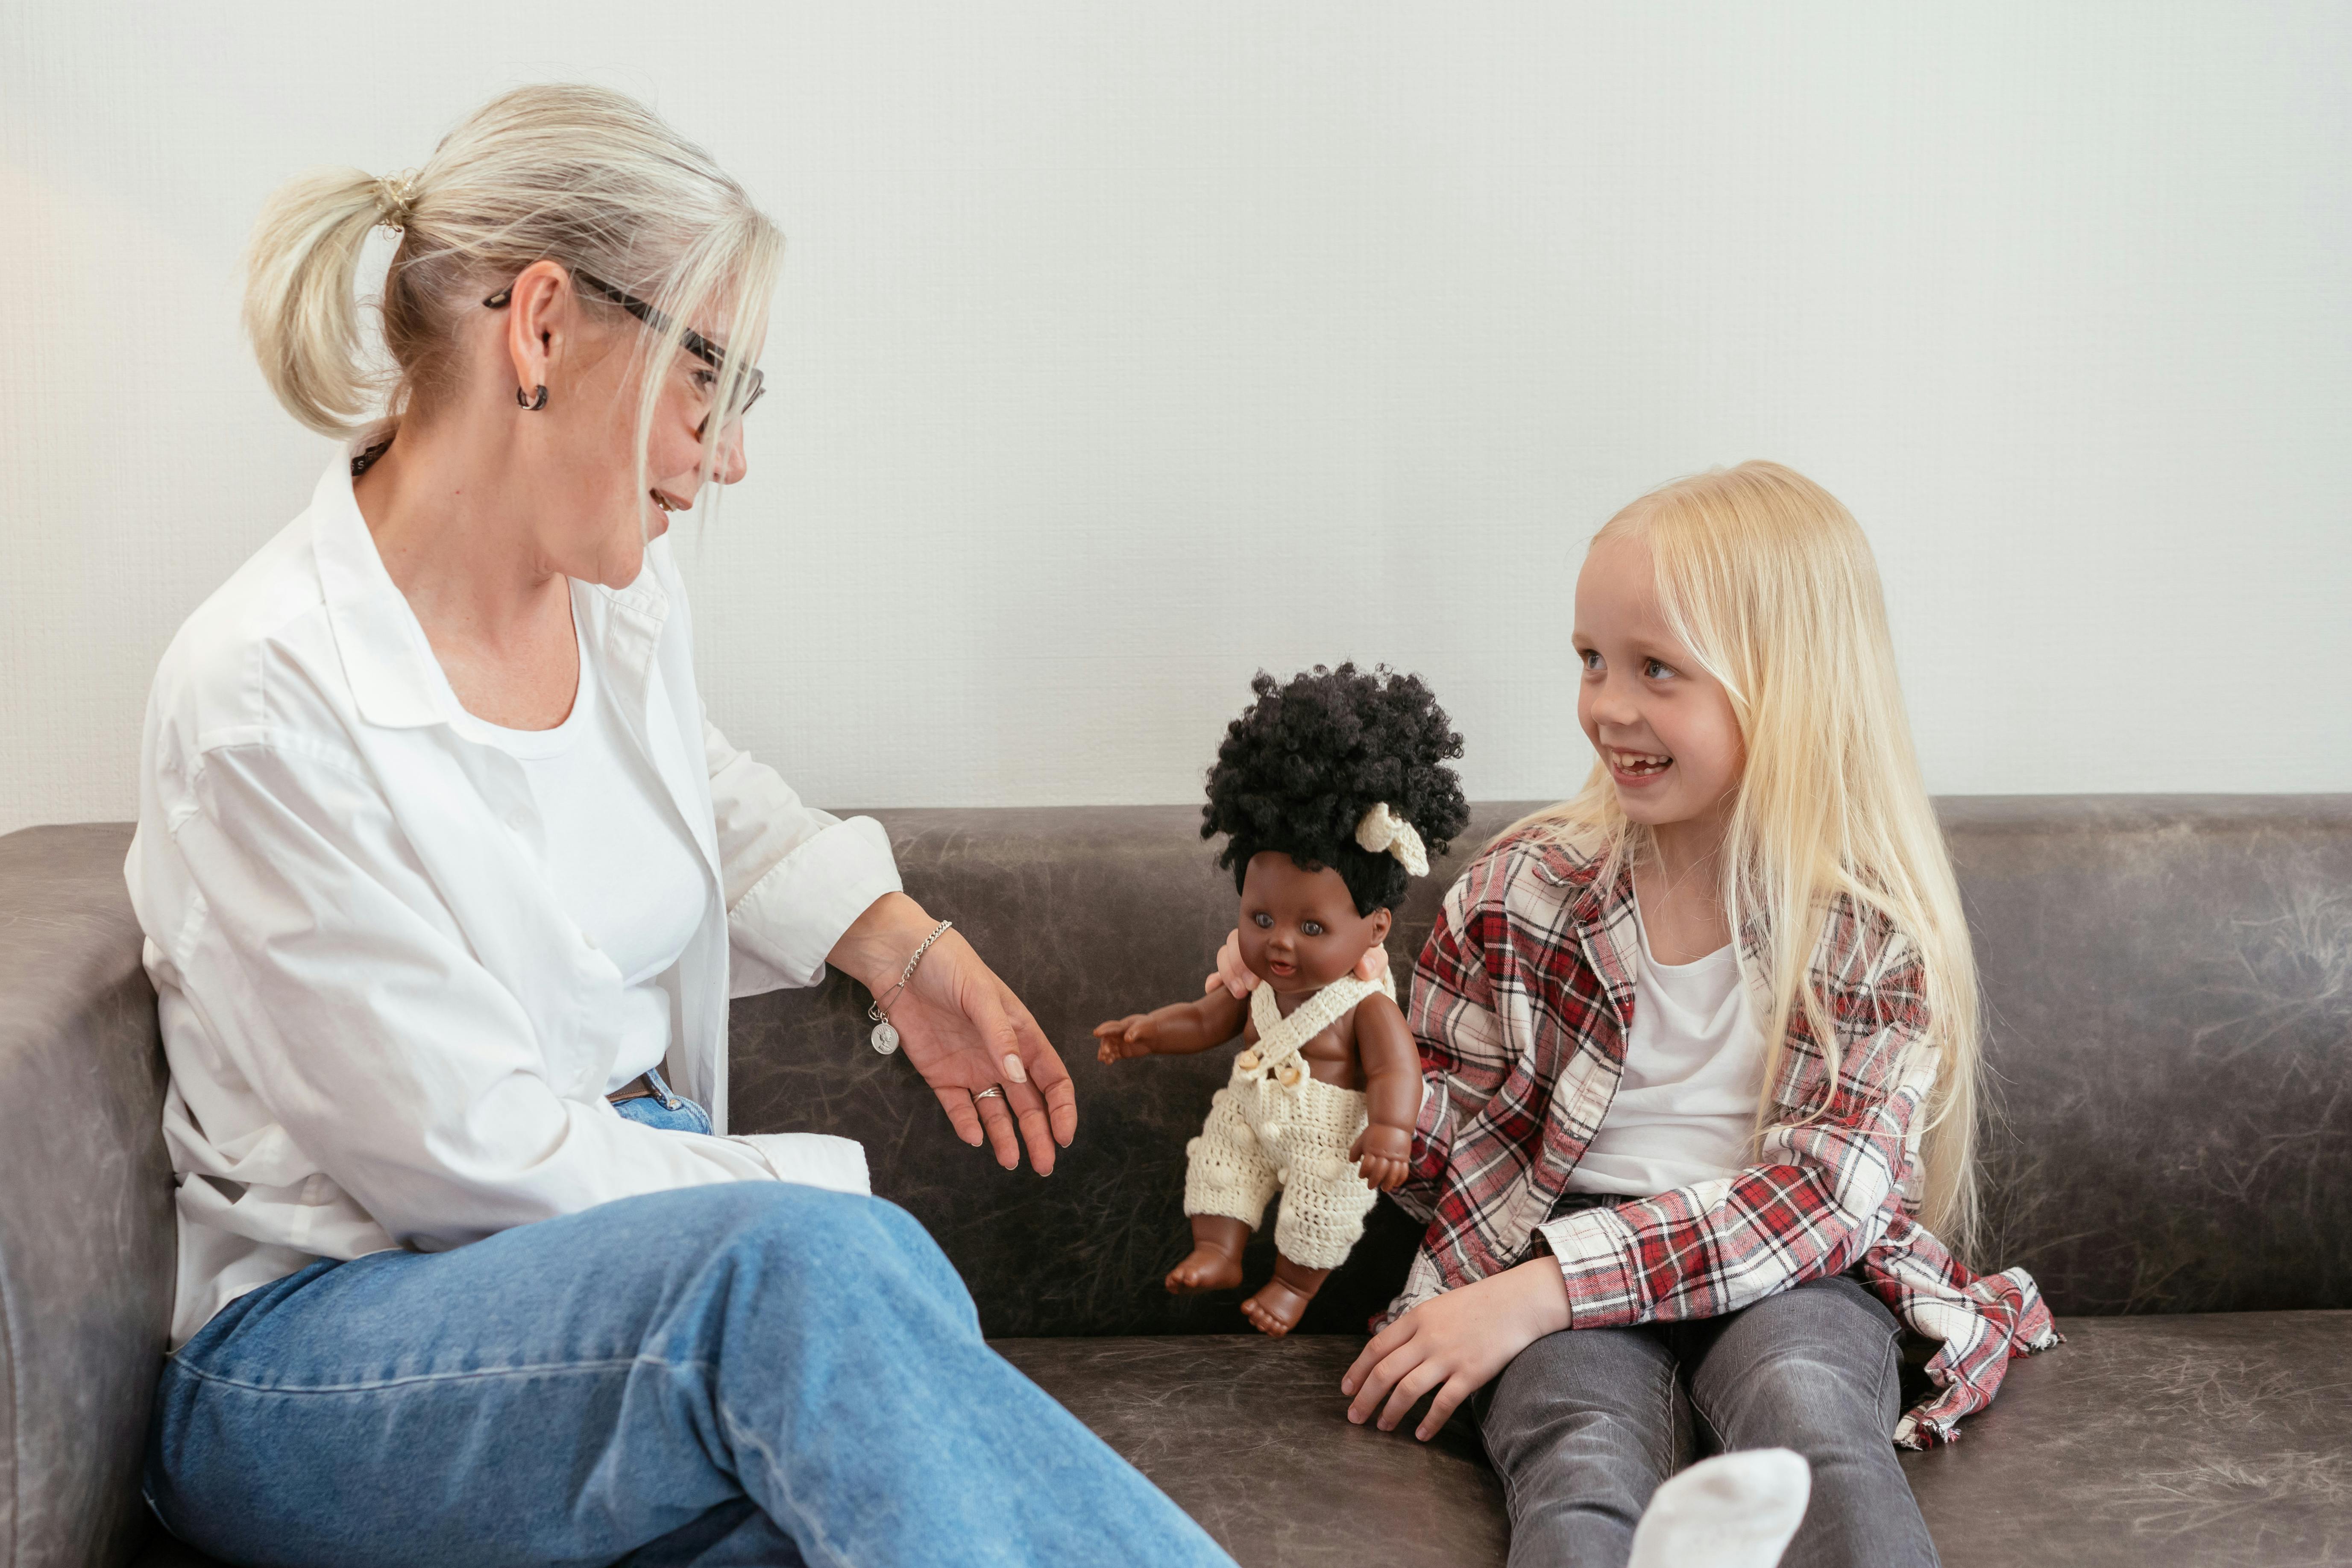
(1521, 1003)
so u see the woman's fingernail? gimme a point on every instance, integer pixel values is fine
(1013, 1069)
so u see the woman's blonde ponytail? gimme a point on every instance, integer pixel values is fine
(302, 306)
(579, 176)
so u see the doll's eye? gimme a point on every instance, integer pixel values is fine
(1311, 928)
(1262, 921)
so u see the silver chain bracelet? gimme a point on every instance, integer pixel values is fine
(885, 1034)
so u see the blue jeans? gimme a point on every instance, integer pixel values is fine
(748, 1374)
(1585, 1424)
(664, 1106)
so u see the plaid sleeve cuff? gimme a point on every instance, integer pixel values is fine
(1595, 1249)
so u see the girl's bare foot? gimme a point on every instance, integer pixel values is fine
(1276, 1307)
(1205, 1269)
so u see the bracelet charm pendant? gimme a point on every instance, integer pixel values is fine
(884, 1037)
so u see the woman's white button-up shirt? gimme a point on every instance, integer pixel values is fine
(383, 1028)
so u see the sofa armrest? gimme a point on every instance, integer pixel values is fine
(87, 1240)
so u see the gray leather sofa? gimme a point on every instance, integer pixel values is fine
(2170, 988)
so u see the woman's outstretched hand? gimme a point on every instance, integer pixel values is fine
(965, 1031)
(1235, 977)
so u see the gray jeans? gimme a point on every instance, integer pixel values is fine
(1586, 1424)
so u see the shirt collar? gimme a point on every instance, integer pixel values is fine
(385, 658)
(395, 680)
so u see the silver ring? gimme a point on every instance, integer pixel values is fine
(993, 1091)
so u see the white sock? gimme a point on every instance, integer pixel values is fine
(1735, 1510)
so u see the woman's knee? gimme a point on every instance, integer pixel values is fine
(844, 1244)
(860, 1229)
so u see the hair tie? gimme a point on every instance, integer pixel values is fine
(1382, 829)
(395, 194)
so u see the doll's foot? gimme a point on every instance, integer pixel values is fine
(1276, 1308)
(1204, 1268)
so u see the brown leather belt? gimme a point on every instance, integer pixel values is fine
(640, 1088)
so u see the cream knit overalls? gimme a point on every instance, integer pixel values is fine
(1275, 1124)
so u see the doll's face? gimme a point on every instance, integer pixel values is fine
(1300, 931)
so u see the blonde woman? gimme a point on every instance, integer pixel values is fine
(446, 881)
(1701, 1049)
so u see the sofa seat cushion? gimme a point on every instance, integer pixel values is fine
(2210, 1441)
(2207, 1440)
(2219, 1441)
(1250, 1437)
(2215, 1441)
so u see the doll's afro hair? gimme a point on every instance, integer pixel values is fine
(1300, 767)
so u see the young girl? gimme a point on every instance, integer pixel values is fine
(1701, 1050)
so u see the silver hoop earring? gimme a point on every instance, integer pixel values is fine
(534, 403)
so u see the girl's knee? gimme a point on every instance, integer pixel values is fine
(1822, 1401)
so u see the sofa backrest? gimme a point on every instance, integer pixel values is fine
(2168, 984)
(2170, 990)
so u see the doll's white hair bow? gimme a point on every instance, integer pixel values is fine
(1382, 829)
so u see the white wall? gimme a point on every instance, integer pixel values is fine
(1126, 349)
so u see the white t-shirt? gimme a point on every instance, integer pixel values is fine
(1686, 1108)
(617, 856)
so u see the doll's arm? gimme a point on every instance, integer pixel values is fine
(1178, 1030)
(1392, 1093)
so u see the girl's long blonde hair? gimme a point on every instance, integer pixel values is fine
(576, 174)
(1769, 581)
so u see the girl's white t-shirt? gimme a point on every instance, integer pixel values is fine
(616, 854)
(1686, 1107)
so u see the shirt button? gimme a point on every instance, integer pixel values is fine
(516, 820)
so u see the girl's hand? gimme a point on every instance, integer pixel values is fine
(1454, 1343)
(1122, 1038)
(1235, 977)
(965, 1030)
(1383, 1155)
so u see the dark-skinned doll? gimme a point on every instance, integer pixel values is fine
(1330, 792)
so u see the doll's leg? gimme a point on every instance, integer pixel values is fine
(1323, 1209)
(1275, 1307)
(1227, 1181)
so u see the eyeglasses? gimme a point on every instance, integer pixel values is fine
(747, 392)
